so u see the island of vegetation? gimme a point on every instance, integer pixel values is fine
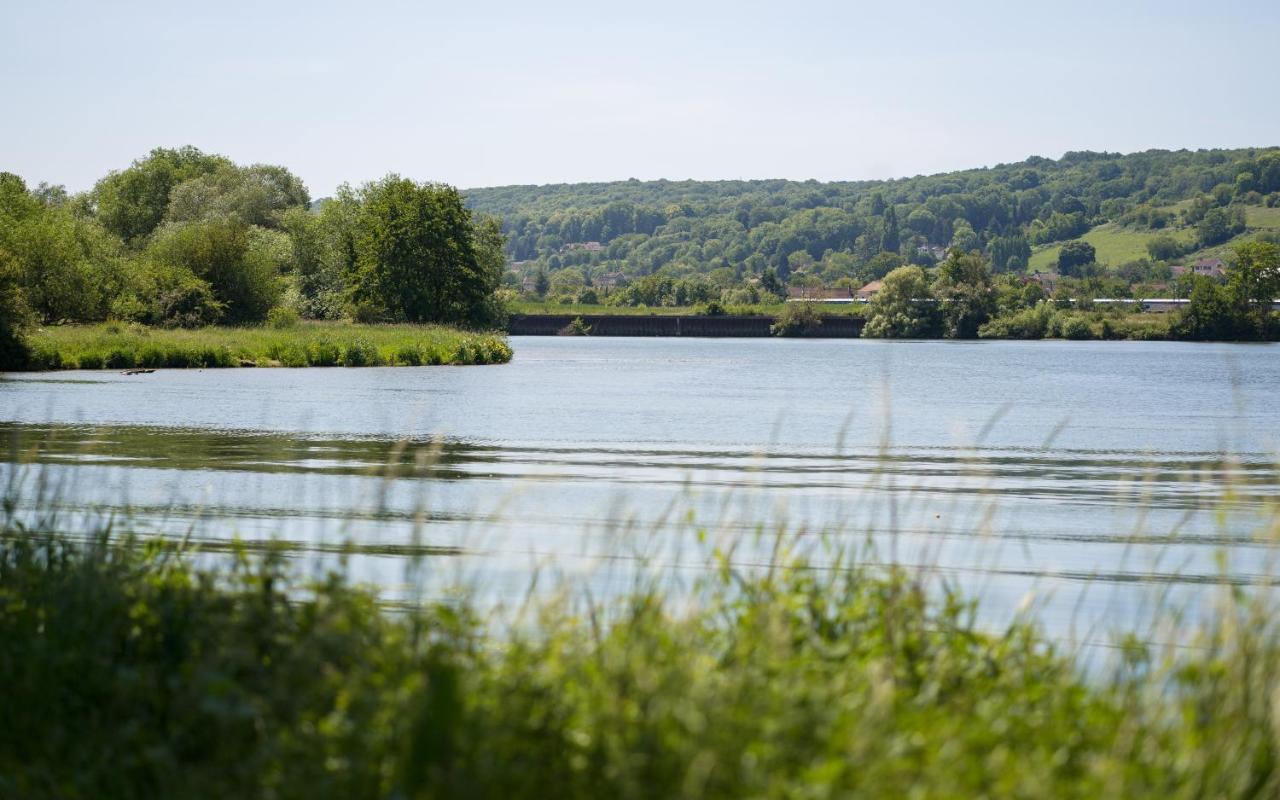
(1036, 244)
(187, 259)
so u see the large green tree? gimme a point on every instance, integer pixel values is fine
(1075, 258)
(255, 195)
(418, 258)
(903, 308)
(966, 293)
(239, 267)
(132, 203)
(1253, 285)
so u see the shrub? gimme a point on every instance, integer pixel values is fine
(360, 353)
(222, 253)
(283, 318)
(323, 353)
(366, 313)
(796, 319)
(409, 355)
(577, 327)
(1029, 323)
(1075, 327)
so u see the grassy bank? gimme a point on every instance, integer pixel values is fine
(309, 344)
(128, 672)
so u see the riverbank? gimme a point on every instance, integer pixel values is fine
(128, 671)
(708, 326)
(307, 344)
(530, 307)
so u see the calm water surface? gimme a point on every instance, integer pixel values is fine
(1100, 475)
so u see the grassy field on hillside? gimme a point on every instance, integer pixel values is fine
(1117, 245)
(116, 345)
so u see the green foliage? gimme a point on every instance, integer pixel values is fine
(15, 317)
(182, 238)
(241, 274)
(752, 230)
(257, 195)
(309, 344)
(1010, 253)
(1027, 323)
(664, 290)
(1075, 258)
(132, 203)
(131, 672)
(576, 327)
(1220, 224)
(69, 267)
(796, 319)
(966, 293)
(903, 308)
(283, 318)
(1242, 309)
(1254, 275)
(1165, 248)
(417, 255)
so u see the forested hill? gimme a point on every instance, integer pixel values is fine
(1017, 215)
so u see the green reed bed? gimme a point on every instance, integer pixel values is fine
(129, 672)
(312, 344)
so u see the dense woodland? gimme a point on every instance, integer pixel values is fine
(687, 242)
(182, 238)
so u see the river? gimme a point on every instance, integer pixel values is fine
(1095, 478)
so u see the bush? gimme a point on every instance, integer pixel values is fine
(796, 319)
(323, 353)
(360, 353)
(578, 327)
(409, 356)
(1029, 323)
(242, 277)
(1076, 327)
(283, 318)
(366, 313)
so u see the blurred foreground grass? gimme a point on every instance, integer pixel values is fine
(117, 345)
(130, 668)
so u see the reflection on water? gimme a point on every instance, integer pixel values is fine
(1095, 473)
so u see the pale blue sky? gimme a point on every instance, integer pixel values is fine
(481, 94)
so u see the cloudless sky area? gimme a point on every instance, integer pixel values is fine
(493, 93)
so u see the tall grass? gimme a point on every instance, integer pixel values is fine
(130, 671)
(313, 344)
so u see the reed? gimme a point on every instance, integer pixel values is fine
(116, 345)
(130, 668)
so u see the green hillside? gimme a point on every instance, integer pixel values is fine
(1114, 243)
(733, 233)
(1118, 245)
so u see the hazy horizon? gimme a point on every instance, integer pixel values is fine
(569, 92)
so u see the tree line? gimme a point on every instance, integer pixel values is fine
(732, 233)
(962, 299)
(185, 238)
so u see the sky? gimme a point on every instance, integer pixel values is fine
(496, 93)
